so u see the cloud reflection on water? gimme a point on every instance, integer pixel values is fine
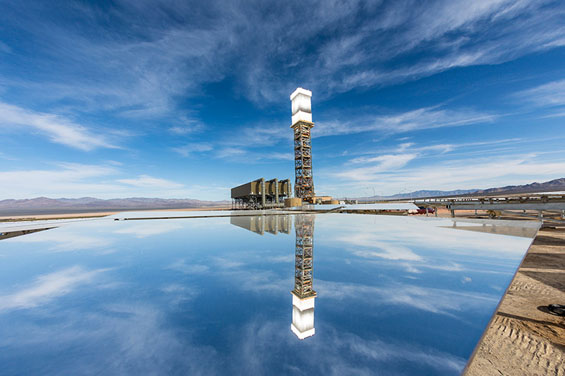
(48, 287)
(209, 298)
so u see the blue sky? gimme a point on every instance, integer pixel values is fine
(189, 98)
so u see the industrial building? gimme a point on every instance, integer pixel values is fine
(261, 194)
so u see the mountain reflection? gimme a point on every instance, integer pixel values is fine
(303, 295)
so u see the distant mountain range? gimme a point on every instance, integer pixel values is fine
(549, 186)
(423, 193)
(44, 205)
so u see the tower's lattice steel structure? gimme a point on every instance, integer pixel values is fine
(302, 124)
(304, 257)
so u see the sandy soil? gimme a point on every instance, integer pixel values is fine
(524, 338)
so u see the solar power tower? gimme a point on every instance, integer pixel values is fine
(303, 295)
(302, 124)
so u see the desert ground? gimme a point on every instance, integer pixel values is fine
(523, 338)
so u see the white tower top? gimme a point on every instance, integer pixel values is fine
(301, 105)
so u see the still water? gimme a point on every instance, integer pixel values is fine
(382, 295)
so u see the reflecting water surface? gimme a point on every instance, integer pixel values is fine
(394, 295)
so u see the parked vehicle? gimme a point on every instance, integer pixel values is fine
(422, 210)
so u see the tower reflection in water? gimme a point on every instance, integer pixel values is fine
(303, 295)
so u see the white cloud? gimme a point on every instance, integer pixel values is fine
(5, 48)
(134, 337)
(102, 181)
(193, 148)
(484, 173)
(266, 134)
(422, 118)
(56, 128)
(186, 267)
(8, 158)
(389, 161)
(386, 251)
(395, 34)
(558, 114)
(427, 150)
(248, 155)
(230, 152)
(146, 181)
(280, 156)
(382, 164)
(144, 230)
(377, 166)
(423, 246)
(478, 172)
(68, 179)
(168, 58)
(186, 126)
(242, 144)
(48, 287)
(337, 352)
(180, 130)
(435, 300)
(225, 263)
(179, 293)
(550, 94)
(67, 240)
